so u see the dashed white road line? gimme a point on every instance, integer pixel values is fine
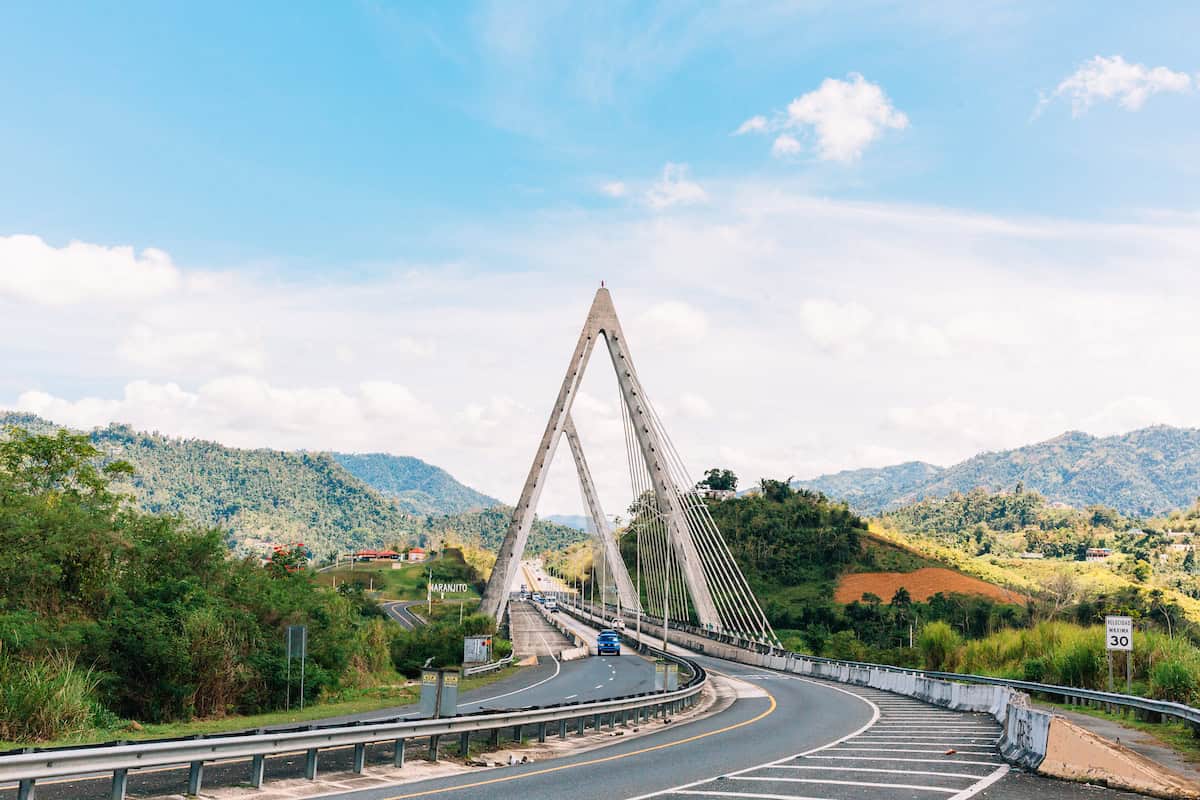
(557, 669)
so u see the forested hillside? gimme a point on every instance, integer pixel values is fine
(486, 528)
(108, 612)
(417, 487)
(263, 497)
(1143, 473)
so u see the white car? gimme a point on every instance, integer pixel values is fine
(617, 624)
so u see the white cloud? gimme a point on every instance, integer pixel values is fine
(821, 334)
(674, 188)
(674, 321)
(614, 188)
(31, 269)
(785, 145)
(1103, 79)
(157, 349)
(755, 124)
(844, 117)
(835, 326)
(409, 347)
(695, 406)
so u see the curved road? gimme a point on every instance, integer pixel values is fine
(798, 739)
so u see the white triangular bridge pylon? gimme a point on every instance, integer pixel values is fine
(719, 595)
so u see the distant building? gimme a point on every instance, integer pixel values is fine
(718, 494)
(1098, 553)
(417, 554)
(1033, 555)
(377, 555)
(1181, 547)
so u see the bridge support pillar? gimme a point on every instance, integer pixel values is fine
(434, 742)
(310, 765)
(495, 738)
(541, 732)
(120, 783)
(195, 777)
(579, 725)
(562, 729)
(398, 754)
(464, 744)
(258, 768)
(360, 758)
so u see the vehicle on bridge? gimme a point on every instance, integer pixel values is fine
(608, 643)
(617, 624)
(537, 597)
(551, 604)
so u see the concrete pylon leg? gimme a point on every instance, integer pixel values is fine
(604, 534)
(508, 560)
(665, 491)
(601, 321)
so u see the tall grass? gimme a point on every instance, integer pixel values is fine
(45, 697)
(1071, 655)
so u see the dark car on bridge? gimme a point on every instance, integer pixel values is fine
(608, 643)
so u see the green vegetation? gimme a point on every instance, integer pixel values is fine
(1143, 473)
(406, 581)
(486, 528)
(1011, 523)
(262, 498)
(417, 487)
(168, 626)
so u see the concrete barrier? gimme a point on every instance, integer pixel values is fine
(1077, 754)
(574, 653)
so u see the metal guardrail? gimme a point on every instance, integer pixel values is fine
(1146, 705)
(482, 668)
(28, 766)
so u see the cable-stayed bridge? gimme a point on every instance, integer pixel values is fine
(684, 568)
(749, 723)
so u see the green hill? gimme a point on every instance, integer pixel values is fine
(418, 487)
(1141, 473)
(263, 497)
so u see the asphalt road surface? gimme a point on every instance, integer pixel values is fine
(801, 740)
(399, 611)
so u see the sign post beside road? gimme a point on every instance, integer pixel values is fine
(297, 647)
(1118, 635)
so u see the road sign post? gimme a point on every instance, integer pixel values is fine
(297, 647)
(1118, 636)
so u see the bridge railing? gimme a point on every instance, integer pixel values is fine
(27, 766)
(758, 652)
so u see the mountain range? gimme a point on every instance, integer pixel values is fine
(1140, 473)
(329, 501)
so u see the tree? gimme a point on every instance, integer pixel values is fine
(721, 480)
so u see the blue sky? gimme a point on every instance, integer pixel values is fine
(292, 221)
(322, 135)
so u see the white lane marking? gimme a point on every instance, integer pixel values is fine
(557, 669)
(976, 751)
(905, 771)
(971, 791)
(750, 795)
(867, 784)
(682, 789)
(598, 686)
(907, 760)
(568, 697)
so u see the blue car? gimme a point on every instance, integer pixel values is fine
(608, 643)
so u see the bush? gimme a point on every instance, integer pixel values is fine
(45, 697)
(1173, 681)
(1079, 663)
(939, 645)
(1034, 669)
(844, 645)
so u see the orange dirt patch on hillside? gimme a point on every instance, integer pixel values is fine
(921, 584)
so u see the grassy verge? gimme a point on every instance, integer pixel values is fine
(349, 701)
(1173, 734)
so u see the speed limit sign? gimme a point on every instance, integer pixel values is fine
(1118, 633)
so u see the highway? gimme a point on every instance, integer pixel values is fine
(399, 611)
